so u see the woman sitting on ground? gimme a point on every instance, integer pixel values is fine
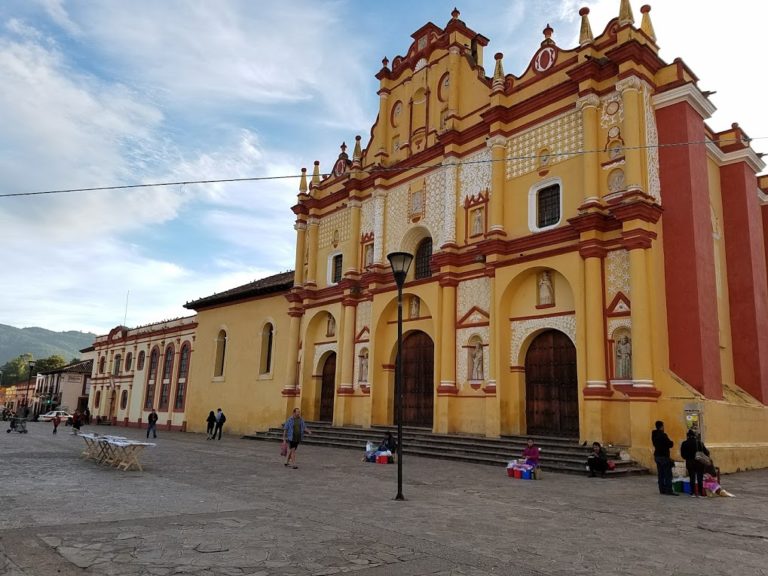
(597, 461)
(389, 443)
(531, 454)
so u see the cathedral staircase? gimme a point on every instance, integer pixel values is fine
(557, 454)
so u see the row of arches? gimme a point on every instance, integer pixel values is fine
(551, 386)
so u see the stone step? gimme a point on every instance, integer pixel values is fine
(558, 454)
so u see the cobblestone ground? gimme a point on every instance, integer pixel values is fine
(230, 507)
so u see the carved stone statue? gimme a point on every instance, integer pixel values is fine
(546, 292)
(415, 307)
(476, 373)
(363, 368)
(477, 221)
(330, 329)
(624, 358)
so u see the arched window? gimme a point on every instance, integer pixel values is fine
(118, 365)
(140, 363)
(123, 399)
(97, 400)
(221, 350)
(267, 335)
(165, 386)
(423, 256)
(102, 364)
(154, 360)
(128, 361)
(181, 385)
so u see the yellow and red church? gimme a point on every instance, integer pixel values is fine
(589, 257)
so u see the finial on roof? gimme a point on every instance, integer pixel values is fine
(357, 155)
(316, 174)
(303, 181)
(455, 13)
(625, 13)
(498, 73)
(585, 35)
(343, 147)
(384, 62)
(548, 35)
(646, 25)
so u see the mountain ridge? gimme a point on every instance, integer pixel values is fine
(41, 342)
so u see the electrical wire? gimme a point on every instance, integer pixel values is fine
(371, 171)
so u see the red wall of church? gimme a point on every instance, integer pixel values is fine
(745, 252)
(694, 348)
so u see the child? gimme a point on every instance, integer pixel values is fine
(56, 422)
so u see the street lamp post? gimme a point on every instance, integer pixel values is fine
(31, 365)
(400, 262)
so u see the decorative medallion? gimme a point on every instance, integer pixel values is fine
(544, 59)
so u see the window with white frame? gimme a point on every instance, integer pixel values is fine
(335, 262)
(545, 205)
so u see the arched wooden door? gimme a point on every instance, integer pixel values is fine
(551, 386)
(418, 379)
(328, 388)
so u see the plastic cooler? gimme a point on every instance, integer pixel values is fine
(518, 473)
(677, 486)
(526, 474)
(382, 459)
(687, 486)
(511, 472)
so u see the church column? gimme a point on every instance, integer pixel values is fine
(630, 94)
(301, 252)
(447, 375)
(291, 387)
(453, 86)
(593, 316)
(352, 252)
(497, 145)
(495, 364)
(449, 198)
(642, 353)
(379, 203)
(314, 225)
(590, 159)
(346, 355)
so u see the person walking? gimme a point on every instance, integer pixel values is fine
(77, 421)
(56, 422)
(220, 419)
(688, 450)
(664, 463)
(87, 416)
(211, 421)
(294, 430)
(152, 423)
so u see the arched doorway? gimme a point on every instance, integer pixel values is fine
(418, 379)
(551, 386)
(328, 388)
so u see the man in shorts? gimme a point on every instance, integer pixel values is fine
(294, 430)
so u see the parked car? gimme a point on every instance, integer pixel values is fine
(48, 416)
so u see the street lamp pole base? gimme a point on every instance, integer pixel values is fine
(399, 497)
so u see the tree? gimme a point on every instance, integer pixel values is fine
(50, 363)
(16, 370)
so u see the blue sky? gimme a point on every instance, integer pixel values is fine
(107, 92)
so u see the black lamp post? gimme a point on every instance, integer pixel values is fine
(400, 262)
(30, 364)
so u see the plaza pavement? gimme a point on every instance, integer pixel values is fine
(230, 507)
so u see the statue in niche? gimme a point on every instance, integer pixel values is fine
(368, 255)
(363, 367)
(417, 202)
(624, 358)
(477, 221)
(415, 305)
(476, 371)
(330, 329)
(546, 292)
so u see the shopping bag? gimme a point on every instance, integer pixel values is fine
(283, 449)
(611, 465)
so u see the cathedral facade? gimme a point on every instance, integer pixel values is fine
(589, 257)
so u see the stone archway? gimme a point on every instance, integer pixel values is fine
(551, 386)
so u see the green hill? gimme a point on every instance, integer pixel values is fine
(41, 343)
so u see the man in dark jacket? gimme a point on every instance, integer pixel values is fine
(152, 423)
(664, 463)
(696, 469)
(220, 419)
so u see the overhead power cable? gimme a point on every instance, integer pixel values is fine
(376, 170)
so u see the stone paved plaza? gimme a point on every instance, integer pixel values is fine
(231, 508)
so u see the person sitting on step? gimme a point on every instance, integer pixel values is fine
(597, 461)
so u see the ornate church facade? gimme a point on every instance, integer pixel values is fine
(589, 257)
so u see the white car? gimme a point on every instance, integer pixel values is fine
(48, 416)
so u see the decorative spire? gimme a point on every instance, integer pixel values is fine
(646, 25)
(303, 181)
(585, 35)
(498, 73)
(357, 155)
(625, 13)
(547, 36)
(455, 14)
(316, 174)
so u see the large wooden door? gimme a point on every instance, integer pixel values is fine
(418, 379)
(551, 386)
(328, 388)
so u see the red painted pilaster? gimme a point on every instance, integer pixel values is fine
(689, 262)
(748, 291)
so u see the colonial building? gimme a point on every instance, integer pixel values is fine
(65, 388)
(589, 258)
(138, 369)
